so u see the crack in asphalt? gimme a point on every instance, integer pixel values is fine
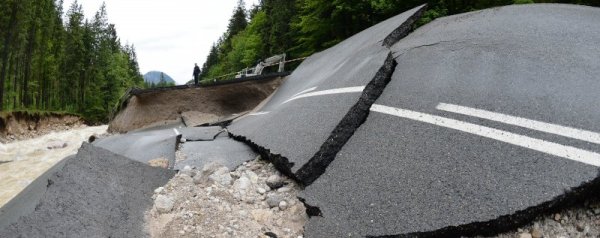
(345, 129)
(404, 29)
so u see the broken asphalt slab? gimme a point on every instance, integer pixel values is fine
(223, 150)
(144, 146)
(320, 105)
(200, 133)
(486, 124)
(94, 194)
(26, 201)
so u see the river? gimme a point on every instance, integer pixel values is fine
(21, 162)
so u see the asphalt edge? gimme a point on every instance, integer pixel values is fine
(406, 28)
(282, 164)
(511, 222)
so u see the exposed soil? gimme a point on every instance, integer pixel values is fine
(21, 125)
(204, 105)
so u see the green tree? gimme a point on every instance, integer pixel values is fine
(77, 66)
(277, 33)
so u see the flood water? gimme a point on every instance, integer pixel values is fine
(21, 162)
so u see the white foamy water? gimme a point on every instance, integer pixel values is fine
(31, 158)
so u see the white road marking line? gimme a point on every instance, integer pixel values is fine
(547, 147)
(565, 131)
(258, 113)
(328, 92)
(176, 131)
(305, 91)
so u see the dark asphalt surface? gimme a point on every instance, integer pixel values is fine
(401, 176)
(297, 129)
(94, 194)
(223, 150)
(200, 133)
(25, 202)
(143, 146)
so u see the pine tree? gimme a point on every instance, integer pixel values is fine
(237, 23)
(11, 26)
(277, 34)
(78, 66)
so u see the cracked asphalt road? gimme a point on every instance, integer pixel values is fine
(486, 123)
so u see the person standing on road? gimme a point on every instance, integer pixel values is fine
(196, 73)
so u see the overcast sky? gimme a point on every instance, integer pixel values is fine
(169, 35)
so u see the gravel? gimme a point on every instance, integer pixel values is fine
(582, 220)
(215, 202)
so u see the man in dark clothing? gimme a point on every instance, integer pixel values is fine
(196, 73)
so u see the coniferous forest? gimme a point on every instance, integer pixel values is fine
(52, 60)
(55, 59)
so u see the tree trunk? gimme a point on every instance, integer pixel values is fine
(7, 40)
(28, 62)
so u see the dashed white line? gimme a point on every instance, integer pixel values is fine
(547, 147)
(258, 113)
(570, 132)
(176, 132)
(328, 92)
(305, 91)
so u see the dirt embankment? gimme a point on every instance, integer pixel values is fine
(192, 106)
(26, 125)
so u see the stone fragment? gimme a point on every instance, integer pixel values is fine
(164, 204)
(536, 233)
(275, 182)
(242, 184)
(210, 168)
(525, 235)
(252, 176)
(273, 200)
(188, 171)
(57, 145)
(159, 163)
(557, 217)
(283, 205)
(221, 176)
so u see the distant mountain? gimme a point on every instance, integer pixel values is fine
(154, 77)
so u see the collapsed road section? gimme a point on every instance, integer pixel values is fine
(471, 125)
(326, 98)
(486, 124)
(189, 106)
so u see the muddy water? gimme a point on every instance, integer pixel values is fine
(23, 161)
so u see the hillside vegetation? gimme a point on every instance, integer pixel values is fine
(303, 27)
(75, 65)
